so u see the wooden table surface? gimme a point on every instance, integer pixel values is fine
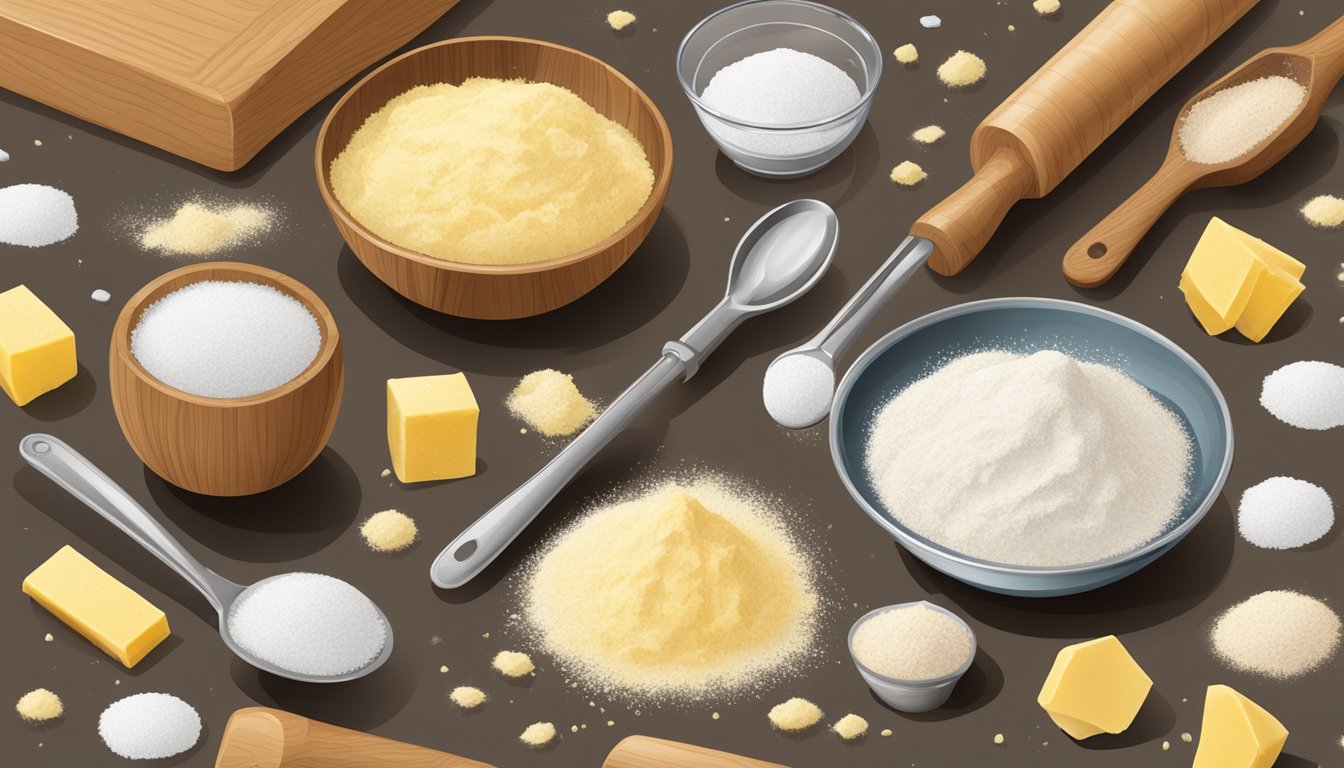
(714, 421)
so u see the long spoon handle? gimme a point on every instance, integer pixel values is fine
(1100, 253)
(889, 278)
(77, 475)
(484, 540)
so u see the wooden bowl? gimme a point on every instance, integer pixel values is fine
(226, 446)
(487, 291)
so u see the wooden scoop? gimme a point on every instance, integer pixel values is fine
(260, 737)
(1317, 64)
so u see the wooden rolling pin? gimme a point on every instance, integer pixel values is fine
(259, 737)
(1040, 133)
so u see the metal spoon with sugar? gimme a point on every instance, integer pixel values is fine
(68, 469)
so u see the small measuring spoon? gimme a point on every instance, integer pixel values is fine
(832, 341)
(68, 469)
(779, 259)
(1316, 64)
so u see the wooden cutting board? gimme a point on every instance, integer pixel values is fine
(210, 80)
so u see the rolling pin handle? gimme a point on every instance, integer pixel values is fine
(961, 225)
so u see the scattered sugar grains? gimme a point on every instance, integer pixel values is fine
(309, 624)
(1284, 513)
(1038, 460)
(1325, 211)
(388, 531)
(906, 54)
(550, 403)
(682, 590)
(197, 228)
(149, 726)
(912, 643)
(1045, 7)
(1279, 634)
(226, 339)
(928, 134)
(779, 87)
(512, 664)
(619, 20)
(1308, 394)
(886, 733)
(529, 172)
(797, 390)
(796, 714)
(467, 697)
(850, 726)
(930, 22)
(961, 69)
(34, 215)
(39, 705)
(537, 734)
(1229, 123)
(908, 174)
(4, 156)
(101, 296)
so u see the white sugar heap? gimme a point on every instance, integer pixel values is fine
(149, 726)
(309, 624)
(797, 390)
(1038, 460)
(1308, 394)
(226, 339)
(1231, 122)
(34, 215)
(1284, 513)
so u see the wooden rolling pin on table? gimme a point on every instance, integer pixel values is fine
(259, 737)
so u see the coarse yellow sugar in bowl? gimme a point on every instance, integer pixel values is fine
(497, 239)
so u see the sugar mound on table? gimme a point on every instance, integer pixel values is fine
(309, 624)
(797, 390)
(796, 714)
(34, 215)
(226, 339)
(149, 726)
(1284, 513)
(1308, 394)
(1279, 634)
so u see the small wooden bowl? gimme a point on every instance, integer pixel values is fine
(486, 291)
(226, 446)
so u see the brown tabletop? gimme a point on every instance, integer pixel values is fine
(715, 420)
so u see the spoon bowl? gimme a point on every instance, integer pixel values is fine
(70, 470)
(783, 255)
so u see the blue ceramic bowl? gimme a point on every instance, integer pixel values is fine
(1030, 324)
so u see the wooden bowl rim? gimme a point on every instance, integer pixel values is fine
(246, 272)
(661, 180)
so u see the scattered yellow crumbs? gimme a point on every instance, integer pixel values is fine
(1187, 738)
(998, 738)
(906, 54)
(443, 668)
(1325, 211)
(886, 733)
(928, 134)
(962, 69)
(467, 697)
(619, 20)
(908, 174)
(1166, 745)
(1045, 7)
(550, 403)
(715, 715)
(537, 734)
(40, 705)
(385, 473)
(1012, 28)
(37, 142)
(850, 726)
(796, 714)
(512, 663)
(388, 531)
(47, 637)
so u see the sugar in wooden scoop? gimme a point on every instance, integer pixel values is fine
(1228, 124)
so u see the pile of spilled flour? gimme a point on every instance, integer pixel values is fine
(1037, 460)
(682, 591)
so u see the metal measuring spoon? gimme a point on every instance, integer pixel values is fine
(779, 259)
(68, 469)
(831, 342)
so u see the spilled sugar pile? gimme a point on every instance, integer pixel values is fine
(149, 726)
(198, 228)
(1037, 460)
(684, 590)
(549, 402)
(1284, 513)
(1308, 394)
(34, 215)
(1279, 634)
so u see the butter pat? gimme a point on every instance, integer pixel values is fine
(1234, 280)
(1237, 732)
(1094, 687)
(431, 427)
(37, 350)
(90, 601)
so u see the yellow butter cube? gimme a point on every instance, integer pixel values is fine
(90, 601)
(1236, 280)
(431, 427)
(1094, 687)
(1237, 732)
(1274, 292)
(37, 350)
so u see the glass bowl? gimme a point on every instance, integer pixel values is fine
(738, 31)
